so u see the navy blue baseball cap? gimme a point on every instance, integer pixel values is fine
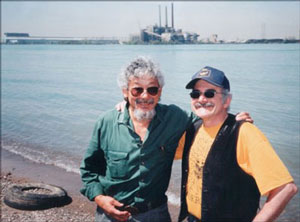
(211, 75)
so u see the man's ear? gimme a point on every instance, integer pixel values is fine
(228, 101)
(125, 92)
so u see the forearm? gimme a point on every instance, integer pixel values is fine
(92, 166)
(276, 202)
(91, 184)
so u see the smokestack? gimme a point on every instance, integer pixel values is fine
(159, 16)
(172, 16)
(166, 17)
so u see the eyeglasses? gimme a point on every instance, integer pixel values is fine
(137, 91)
(210, 93)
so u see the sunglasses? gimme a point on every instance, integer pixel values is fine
(210, 93)
(137, 91)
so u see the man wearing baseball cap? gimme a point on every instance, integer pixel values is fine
(227, 165)
(127, 166)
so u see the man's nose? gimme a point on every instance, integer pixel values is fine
(202, 98)
(145, 94)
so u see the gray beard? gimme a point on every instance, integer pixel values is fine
(144, 115)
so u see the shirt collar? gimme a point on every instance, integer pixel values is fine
(124, 116)
(159, 112)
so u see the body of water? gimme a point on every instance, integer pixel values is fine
(53, 94)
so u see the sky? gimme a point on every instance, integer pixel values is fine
(230, 20)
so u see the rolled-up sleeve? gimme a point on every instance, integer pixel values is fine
(92, 166)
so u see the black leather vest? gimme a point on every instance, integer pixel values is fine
(228, 193)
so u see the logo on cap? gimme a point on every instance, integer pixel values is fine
(204, 72)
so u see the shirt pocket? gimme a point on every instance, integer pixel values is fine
(117, 164)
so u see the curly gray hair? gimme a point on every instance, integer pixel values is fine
(139, 67)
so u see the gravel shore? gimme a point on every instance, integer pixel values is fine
(74, 212)
(77, 211)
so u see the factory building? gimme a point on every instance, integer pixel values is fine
(214, 38)
(166, 34)
(16, 34)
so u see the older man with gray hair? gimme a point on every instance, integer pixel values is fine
(227, 165)
(127, 166)
(126, 169)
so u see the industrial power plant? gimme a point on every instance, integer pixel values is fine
(156, 34)
(167, 34)
(152, 34)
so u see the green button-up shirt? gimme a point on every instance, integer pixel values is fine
(117, 163)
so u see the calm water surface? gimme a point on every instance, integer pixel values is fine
(52, 95)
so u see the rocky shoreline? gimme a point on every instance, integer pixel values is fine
(74, 212)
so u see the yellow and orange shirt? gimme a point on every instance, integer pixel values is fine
(255, 156)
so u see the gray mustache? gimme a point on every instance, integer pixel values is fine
(199, 105)
(149, 101)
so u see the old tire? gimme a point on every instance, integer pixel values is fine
(19, 196)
